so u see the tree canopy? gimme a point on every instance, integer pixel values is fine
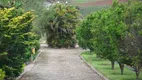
(115, 34)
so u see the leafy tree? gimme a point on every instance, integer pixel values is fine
(94, 30)
(59, 23)
(133, 39)
(84, 36)
(116, 34)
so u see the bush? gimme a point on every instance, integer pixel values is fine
(2, 74)
(28, 5)
(16, 36)
(59, 23)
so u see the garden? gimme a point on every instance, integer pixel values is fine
(111, 35)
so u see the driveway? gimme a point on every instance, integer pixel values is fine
(60, 64)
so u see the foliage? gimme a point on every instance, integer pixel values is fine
(2, 74)
(10, 3)
(28, 5)
(83, 34)
(59, 23)
(15, 37)
(100, 31)
(109, 31)
(115, 34)
(133, 39)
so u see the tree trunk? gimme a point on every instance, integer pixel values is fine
(137, 71)
(97, 56)
(121, 66)
(90, 57)
(112, 64)
(137, 75)
(1, 6)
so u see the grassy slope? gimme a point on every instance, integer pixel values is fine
(84, 1)
(104, 67)
(85, 10)
(88, 10)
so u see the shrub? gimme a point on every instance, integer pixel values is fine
(2, 74)
(59, 23)
(15, 37)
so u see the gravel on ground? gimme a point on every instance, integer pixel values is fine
(60, 64)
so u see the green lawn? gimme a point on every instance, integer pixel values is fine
(104, 67)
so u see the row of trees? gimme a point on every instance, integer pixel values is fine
(17, 38)
(115, 34)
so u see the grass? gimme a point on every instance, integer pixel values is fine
(88, 10)
(104, 67)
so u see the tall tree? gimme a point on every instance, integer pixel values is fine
(133, 40)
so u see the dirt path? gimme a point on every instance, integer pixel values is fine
(60, 64)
